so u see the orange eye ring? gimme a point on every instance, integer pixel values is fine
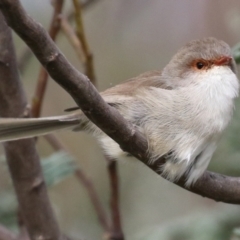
(200, 64)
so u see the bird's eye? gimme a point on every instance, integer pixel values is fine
(200, 65)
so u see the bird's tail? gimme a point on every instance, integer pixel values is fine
(19, 128)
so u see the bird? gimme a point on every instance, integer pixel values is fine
(182, 110)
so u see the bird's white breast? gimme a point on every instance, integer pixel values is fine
(213, 96)
(209, 107)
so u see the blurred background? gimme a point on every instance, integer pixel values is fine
(129, 37)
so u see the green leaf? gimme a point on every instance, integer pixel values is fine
(57, 167)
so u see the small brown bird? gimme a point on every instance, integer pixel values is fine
(182, 111)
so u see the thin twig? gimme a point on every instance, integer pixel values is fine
(88, 57)
(211, 185)
(54, 29)
(86, 182)
(115, 225)
(26, 54)
(102, 217)
(84, 5)
(116, 232)
(56, 144)
(72, 37)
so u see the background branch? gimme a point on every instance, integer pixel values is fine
(43, 75)
(22, 158)
(116, 228)
(87, 183)
(88, 57)
(211, 185)
(72, 37)
(115, 231)
(26, 54)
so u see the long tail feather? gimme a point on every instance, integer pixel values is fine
(18, 128)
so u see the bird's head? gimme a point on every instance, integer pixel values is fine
(200, 60)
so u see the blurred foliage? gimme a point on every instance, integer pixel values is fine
(216, 225)
(226, 158)
(236, 53)
(236, 234)
(56, 168)
(8, 210)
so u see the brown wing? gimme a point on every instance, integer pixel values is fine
(125, 90)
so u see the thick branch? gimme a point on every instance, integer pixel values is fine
(22, 158)
(211, 185)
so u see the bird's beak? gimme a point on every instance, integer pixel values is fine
(223, 61)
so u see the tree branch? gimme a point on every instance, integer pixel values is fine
(88, 57)
(54, 29)
(116, 232)
(27, 53)
(72, 37)
(87, 183)
(57, 145)
(211, 185)
(22, 158)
